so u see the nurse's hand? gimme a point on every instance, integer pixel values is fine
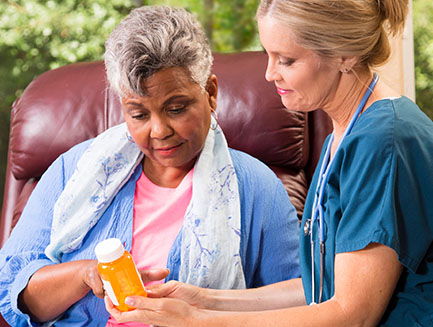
(193, 295)
(92, 279)
(157, 312)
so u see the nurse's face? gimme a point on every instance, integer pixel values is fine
(171, 123)
(304, 80)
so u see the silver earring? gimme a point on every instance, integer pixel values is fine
(344, 70)
(129, 137)
(214, 123)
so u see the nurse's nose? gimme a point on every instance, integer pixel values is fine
(160, 128)
(272, 73)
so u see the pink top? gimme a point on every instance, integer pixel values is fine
(158, 218)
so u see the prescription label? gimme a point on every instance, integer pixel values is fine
(110, 292)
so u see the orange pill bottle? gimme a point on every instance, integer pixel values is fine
(118, 273)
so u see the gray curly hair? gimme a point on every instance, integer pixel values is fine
(152, 38)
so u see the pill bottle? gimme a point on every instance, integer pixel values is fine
(118, 273)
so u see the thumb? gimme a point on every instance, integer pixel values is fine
(139, 302)
(161, 290)
(154, 274)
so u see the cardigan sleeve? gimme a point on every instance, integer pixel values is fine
(23, 254)
(270, 226)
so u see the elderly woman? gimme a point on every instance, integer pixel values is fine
(367, 231)
(165, 183)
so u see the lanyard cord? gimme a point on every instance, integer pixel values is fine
(317, 212)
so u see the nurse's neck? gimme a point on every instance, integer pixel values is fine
(350, 92)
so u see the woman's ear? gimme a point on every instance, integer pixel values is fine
(347, 63)
(212, 91)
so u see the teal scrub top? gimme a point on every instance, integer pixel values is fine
(380, 190)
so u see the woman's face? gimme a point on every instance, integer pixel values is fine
(304, 80)
(171, 123)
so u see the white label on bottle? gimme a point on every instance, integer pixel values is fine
(110, 292)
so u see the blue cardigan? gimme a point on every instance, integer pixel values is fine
(268, 249)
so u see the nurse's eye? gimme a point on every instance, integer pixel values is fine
(285, 61)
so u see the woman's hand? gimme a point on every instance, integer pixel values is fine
(92, 279)
(154, 274)
(53, 289)
(159, 312)
(193, 295)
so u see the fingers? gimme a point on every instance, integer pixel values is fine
(161, 290)
(92, 279)
(154, 274)
(159, 312)
(96, 284)
(117, 314)
(135, 315)
(140, 302)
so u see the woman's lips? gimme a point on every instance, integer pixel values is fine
(282, 91)
(168, 150)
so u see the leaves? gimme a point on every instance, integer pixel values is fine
(39, 35)
(423, 47)
(36, 36)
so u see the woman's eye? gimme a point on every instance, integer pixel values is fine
(138, 116)
(176, 110)
(286, 62)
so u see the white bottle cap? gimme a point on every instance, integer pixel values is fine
(109, 250)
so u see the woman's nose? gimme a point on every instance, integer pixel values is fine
(272, 73)
(160, 128)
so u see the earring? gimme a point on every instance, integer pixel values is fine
(214, 123)
(129, 137)
(344, 70)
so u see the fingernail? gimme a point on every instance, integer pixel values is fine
(129, 301)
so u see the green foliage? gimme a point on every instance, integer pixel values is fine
(38, 35)
(229, 24)
(423, 47)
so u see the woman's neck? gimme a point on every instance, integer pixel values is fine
(349, 94)
(163, 176)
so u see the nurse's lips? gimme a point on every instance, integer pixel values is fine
(282, 91)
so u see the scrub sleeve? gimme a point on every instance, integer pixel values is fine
(379, 190)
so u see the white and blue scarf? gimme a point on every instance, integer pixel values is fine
(212, 224)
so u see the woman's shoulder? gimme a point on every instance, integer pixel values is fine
(391, 121)
(68, 160)
(398, 110)
(249, 165)
(255, 176)
(389, 131)
(76, 151)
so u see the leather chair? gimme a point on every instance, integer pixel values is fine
(65, 106)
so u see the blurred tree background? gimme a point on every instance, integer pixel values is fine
(423, 48)
(38, 35)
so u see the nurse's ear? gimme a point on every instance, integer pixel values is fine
(212, 91)
(347, 63)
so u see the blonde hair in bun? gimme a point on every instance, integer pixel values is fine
(341, 28)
